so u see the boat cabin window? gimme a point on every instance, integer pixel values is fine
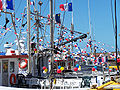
(5, 67)
(89, 62)
(11, 66)
(61, 63)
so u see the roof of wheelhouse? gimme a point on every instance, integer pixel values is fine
(13, 56)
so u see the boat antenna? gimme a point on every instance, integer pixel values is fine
(28, 36)
(90, 27)
(116, 34)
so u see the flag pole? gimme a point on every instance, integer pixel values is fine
(72, 12)
(116, 36)
(72, 28)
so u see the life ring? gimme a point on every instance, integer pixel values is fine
(25, 64)
(12, 76)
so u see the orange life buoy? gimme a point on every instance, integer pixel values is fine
(25, 64)
(12, 76)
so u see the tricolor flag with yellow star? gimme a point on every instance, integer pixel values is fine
(66, 7)
(1, 5)
(57, 18)
(69, 6)
(9, 4)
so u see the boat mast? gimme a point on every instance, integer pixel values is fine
(37, 25)
(51, 39)
(90, 27)
(28, 36)
(72, 26)
(116, 34)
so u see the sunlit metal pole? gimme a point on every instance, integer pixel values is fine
(28, 36)
(116, 33)
(51, 39)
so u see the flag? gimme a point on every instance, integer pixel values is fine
(69, 6)
(9, 4)
(24, 15)
(18, 19)
(32, 3)
(57, 18)
(62, 7)
(1, 5)
(24, 24)
(7, 21)
(75, 45)
(66, 7)
(48, 17)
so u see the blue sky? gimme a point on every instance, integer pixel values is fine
(100, 14)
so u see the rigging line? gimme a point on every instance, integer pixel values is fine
(46, 32)
(89, 18)
(45, 7)
(41, 28)
(62, 21)
(4, 39)
(103, 43)
(7, 30)
(73, 31)
(90, 26)
(112, 17)
(4, 34)
(21, 24)
(18, 6)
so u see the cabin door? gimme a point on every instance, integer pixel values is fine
(5, 72)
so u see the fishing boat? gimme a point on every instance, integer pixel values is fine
(53, 67)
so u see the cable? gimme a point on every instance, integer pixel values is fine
(4, 39)
(45, 7)
(89, 19)
(112, 17)
(19, 5)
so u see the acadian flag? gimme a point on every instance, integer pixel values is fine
(32, 3)
(9, 4)
(66, 7)
(69, 6)
(1, 5)
(57, 18)
(62, 7)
